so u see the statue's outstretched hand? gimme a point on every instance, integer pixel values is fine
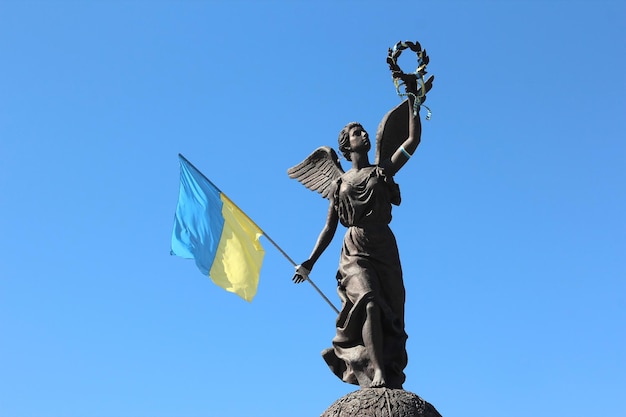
(410, 84)
(302, 271)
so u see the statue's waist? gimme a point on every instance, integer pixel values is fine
(370, 226)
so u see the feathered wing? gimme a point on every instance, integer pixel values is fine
(318, 171)
(394, 128)
(392, 131)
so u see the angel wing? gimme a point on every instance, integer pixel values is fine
(318, 171)
(392, 131)
(394, 128)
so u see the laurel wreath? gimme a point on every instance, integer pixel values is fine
(400, 77)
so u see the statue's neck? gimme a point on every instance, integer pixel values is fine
(360, 160)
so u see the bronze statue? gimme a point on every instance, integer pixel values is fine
(369, 348)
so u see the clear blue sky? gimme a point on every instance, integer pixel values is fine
(512, 229)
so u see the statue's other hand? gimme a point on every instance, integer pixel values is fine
(410, 84)
(298, 279)
(302, 271)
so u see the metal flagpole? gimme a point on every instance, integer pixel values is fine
(306, 276)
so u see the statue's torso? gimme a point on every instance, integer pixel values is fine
(364, 197)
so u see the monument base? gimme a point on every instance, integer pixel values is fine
(381, 402)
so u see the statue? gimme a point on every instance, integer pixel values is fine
(369, 348)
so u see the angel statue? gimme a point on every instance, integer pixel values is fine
(369, 348)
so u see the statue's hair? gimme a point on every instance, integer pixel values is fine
(344, 139)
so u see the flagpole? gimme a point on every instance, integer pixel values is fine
(266, 236)
(307, 278)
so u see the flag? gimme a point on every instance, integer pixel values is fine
(212, 230)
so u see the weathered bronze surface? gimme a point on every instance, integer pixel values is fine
(369, 348)
(381, 402)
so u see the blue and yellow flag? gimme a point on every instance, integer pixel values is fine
(212, 230)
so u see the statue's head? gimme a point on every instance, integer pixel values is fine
(344, 139)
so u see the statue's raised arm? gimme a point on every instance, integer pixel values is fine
(399, 132)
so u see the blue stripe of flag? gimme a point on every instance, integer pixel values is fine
(198, 222)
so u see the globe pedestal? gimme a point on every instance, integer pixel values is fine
(381, 402)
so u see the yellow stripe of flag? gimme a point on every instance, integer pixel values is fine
(239, 255)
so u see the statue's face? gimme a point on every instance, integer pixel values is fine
(359, 139)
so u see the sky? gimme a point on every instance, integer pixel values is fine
(512, 228)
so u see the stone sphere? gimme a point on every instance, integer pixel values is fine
(381, 402)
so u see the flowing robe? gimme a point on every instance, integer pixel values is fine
(369, 270)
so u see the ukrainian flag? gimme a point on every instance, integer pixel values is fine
(212, 230)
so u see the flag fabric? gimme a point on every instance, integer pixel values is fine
(212, 230)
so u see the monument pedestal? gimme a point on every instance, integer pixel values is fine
(381, 402)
